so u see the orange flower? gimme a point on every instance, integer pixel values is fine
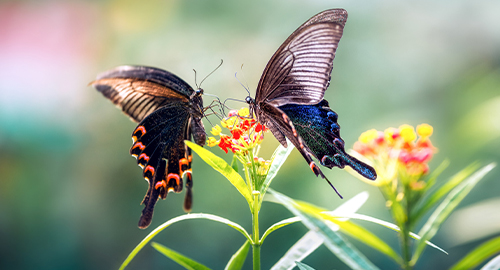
(246, 133)
(400, 145)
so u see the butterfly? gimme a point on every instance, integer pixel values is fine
(289, 97)
(168, 111)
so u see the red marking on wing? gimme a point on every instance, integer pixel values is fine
(313, 166)
(150, 168)
(285, 117)
(190, 159)
(182, 162)
(144, 156)
(160, 184)
(174, 176)
(140, 145)
(142, 129)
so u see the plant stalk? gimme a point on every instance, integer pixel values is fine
(255, 231)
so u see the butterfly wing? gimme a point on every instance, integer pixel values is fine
(168, 113)
(299, 71)
(161, 153)
(140, 90)
(317, 126)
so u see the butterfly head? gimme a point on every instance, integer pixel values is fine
(250, 100)
(198, 92)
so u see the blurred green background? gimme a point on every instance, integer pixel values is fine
(70, 192)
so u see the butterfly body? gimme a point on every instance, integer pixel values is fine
(289, 97)
(169, 111)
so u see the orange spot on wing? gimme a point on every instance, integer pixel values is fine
(160, 184)
(313, 166)
(141, 128)
(144, 156)
(190, 159)
(174, 176)
(150, 168)
(140, 145)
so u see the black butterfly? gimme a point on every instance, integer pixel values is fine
(169, 111)
(289, 98)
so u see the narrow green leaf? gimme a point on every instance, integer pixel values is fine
(364, 236)
(179, 258)
(279, 157)
(303, 266)
(234, 164)
(494, 264)
(299, 251)
(345, 251)
(478, 255)
(221, 166)
(428, 202)
(435, 174)
(238, 259)
(177, 219)
(311, 241)
(446, 207)
(387, 225)
(278, 225)
(352, 229)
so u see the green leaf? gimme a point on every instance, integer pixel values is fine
(435, 174)
(279, 157)
(234, 163)
(221, 166)
(352, 229)
(177, 219)
(389, 226)
(278, 225)
(429, 201)
(238, 259)
(494, 264)
(303, 266)
(311, 241)
(345, 251)
(300, 250)
(179, 258)
(478, 255)
(446, 207)
(364, 236)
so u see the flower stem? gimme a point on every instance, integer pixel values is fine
(255, 231)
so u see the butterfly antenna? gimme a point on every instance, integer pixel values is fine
(221, 61)
(243, 74)
(235, 75)
(197, 87)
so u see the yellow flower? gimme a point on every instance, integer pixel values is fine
(244, 112)
(407, 133)
(211, 141)
(216, 130)
(367, 136)
(424, 130)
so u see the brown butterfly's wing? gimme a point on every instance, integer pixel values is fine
(299, 71)
(168, 113)
(139, 90)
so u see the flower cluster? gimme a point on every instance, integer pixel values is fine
(246, 133)
(399, 147)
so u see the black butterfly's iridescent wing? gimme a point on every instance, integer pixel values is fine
(161, 153)
(139, 90)
(319, 131)
(299, 71)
